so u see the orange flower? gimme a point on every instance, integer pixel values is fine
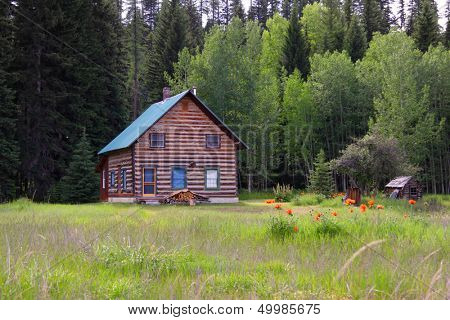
(295, 228)
(317, 217)
(334, 213)
(405, 216)
(412, 202)
(278, 206)
(363, 208)
(350, 201)
(270, 201)
(289, 212)
(380, 207)
(370, 203)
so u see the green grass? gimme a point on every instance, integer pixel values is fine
(117, 251)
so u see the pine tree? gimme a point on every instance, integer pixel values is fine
(9, 149)
(150, 9)
(371, 17)
(168, 39)
(194, 32)
(413, 10)
(273, 7)
(348, 11)
(385, 16)
(80, 184)
(402, 13)
(447, 28)
(355, 39)
(214, 12)
(334, 25)
(295, 51)
(286, 8)
(237, 9)
(426, 25)
(260, 10)
(225, 11)
(321, 179)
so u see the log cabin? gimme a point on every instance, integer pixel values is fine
(176, 144)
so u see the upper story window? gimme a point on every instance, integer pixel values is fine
(213, 141)
(157, 140)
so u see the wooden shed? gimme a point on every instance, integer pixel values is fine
(405, 187)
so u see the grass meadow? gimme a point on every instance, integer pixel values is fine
(119, 251)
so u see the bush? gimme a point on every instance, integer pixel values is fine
(282, 227)
(328, 228)
(309, 199)
(283, 193)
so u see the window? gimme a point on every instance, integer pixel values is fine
(123, 178)
(413, 192)
(104, 179)
(178, 178)
(149, 181)
(112, 179)
(212, 178)
(157, 140)
(212, 141)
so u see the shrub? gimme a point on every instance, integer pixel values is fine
(283, 193)
(328, 228)
(282, 227)
(309, 199)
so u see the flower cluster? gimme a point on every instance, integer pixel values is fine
(412, 202)
(270, 201)
(278, 206)
(349, 201)
(338, 194)
(371, 203)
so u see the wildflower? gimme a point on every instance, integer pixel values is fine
(380, 207)
(317, 217)
(349, 201)
(278, 206)
(363, 208)
(334, 213)
(295, 228)
(412, 202)
(289, 212)
(405, 216)
(270, 201)
(370, 203)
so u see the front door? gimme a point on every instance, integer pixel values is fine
(149, 182)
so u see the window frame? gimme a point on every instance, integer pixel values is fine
(411, 191)
(163, 140)
(123, 179)
(206, 178)
(218, 142)
(104, 179)
(148, 183)
(185, 177)
(112, 179)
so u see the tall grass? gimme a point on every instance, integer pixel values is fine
(112, 251)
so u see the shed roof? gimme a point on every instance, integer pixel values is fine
(150, 116)
(399, 182)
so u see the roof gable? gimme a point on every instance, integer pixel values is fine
(150, 116)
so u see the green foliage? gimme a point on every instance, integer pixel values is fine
(328, 228)
(80, 184)
(9, 148)
(355, 40)
(281, 227)
(308, 199)
(426, 25)
(283, 193)
(321, 179)
(372, 161)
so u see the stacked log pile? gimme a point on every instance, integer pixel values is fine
(184, 196)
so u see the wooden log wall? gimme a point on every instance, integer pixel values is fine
(118, 160)
(185, 127)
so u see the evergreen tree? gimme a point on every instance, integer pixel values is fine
(237, 9)
(214, 12)
(348, 11)
(426, 25)
(273, 7)
(9, 150)
(225, 11)
(286, 9)
(413, 10)
(295, 51)
(194, 32)
(385, 16)
(334, 26)
(402, 13)
(80, 184)
(371, 17)
(150, 9)
(321, 179)
(355, 40)
(447, 27)
(168, 39)
(260, 10)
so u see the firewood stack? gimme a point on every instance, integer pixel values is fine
(184, 196)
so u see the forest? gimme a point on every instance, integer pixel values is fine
(361, 85)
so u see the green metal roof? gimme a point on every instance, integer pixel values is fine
(149, 117)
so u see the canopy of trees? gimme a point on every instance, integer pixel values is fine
(291, 77)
